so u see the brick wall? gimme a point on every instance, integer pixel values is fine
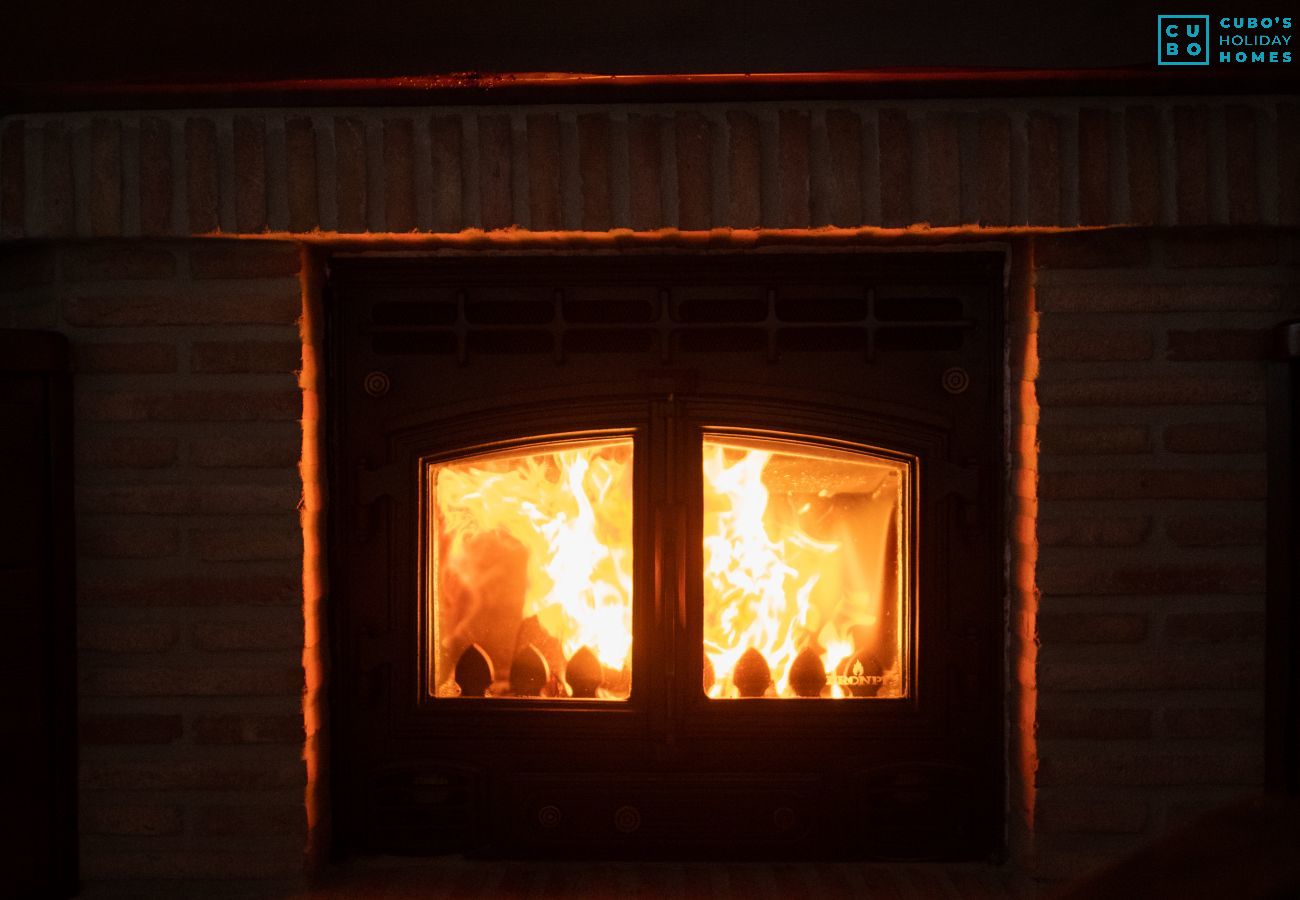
(190, 562)
(1150, 531)
(1136, 362)
(644, 168)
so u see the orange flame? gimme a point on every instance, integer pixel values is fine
(568, 513)
(801, 567)
(802, 560)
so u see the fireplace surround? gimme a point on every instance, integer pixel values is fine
(1149, 241)
(864, 393)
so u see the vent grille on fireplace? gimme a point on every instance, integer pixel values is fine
(646, 319)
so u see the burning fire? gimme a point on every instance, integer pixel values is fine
(800, 582)
(802, 570)
(536, 550)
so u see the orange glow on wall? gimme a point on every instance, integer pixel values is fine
(1023, 341)
(314, 587)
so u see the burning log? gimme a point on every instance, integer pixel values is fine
(474, 672)
(482, 599)
(709, 676)
(616, 682)
(529, 672)
(531, 631)
(807, 674)
(584, 673)
(752, 675)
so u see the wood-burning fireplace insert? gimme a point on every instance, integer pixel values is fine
(668, 554)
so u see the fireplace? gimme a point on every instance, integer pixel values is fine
(674, 274)
(690, 554)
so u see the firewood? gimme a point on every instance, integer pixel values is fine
(531, 631)
(474, 672)
(583, 673)
(752, 675)
(529, 672)
(807, 674)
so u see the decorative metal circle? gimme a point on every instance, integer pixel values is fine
(627, 819)
(956, 380)
(376, 384)
(783, 818)
(549, 817)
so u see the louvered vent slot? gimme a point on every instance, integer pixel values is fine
(610, 340)
(722, 340)
(414, 342)
(721, 306)
(509, 312)
(416, 313)
(821, 309)
(613, 312)
(914, 338)
(613, 305)
(510, 341)
(823, 340)
(919, 309)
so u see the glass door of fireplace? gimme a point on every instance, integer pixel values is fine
(530, 571)
(804, 559)
(806, 551)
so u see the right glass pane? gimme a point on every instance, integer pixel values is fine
(806, 579)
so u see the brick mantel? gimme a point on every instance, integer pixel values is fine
(1033, 162)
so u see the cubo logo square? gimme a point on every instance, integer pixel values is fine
(1183, 41)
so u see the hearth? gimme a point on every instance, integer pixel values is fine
(669, 554)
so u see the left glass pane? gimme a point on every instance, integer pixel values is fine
(530, 585)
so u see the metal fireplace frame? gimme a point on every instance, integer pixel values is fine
(897, 351)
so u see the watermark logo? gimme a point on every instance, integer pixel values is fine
(857, 677)
(1187, 40)
(1253, 39)
(1184, 41)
